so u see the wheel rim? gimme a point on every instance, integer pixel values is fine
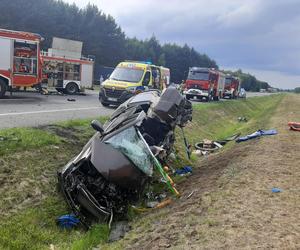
(72, 89)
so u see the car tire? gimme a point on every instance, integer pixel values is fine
(71, 88)
(3, 88)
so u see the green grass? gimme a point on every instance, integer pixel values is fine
(18, 139)
(36, 228)
(29, 203)
(38, 153)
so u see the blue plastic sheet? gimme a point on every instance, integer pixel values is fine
(256, 134)
(184, 170)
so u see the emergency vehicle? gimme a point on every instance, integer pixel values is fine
(65, 68)
(67, 74)
(20, 60)
(130, 78)
(232, 87)
(204, 83)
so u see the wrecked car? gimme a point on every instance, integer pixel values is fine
(114, 166)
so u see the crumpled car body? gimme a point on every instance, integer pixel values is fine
(114, 166)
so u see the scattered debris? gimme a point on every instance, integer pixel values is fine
(295, 126)
(67, 221)
(186, 144)
(184, 170)
(276, 190)
(206, 145)
(197, 152)
(163, 203)
(218, 144)
(118, 231)
(242, 119)
(71, 100)
(151, 204)
(172, 156)
(190, 195)
(256, 134)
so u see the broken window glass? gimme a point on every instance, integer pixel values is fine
(131, 145)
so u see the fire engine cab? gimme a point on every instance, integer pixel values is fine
(204, 83)
(232, 87)
(20, 60)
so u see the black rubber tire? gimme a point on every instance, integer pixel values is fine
(71, 88)
(104, 104)
(3, 88)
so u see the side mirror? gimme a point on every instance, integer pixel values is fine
(97, 126)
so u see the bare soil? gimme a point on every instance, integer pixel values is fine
(232, 205)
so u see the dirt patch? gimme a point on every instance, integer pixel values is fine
(232, 206)
(69, 134)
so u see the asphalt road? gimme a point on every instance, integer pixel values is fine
(27, 109)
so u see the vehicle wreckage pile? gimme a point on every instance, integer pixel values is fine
(113, 168)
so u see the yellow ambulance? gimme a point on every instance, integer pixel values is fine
(130, 78)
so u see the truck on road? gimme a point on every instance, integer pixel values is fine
(20, 60)
(204, 83)
(65, 68)
(232, 87)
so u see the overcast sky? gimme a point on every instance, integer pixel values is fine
(259, 36)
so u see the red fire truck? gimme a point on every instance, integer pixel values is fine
(232, 87)
(204, 83)
(20, 60)
(67, 75)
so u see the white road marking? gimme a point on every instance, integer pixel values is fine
(48, 111)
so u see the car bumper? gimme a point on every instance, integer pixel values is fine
(196, 92)
(114, 99)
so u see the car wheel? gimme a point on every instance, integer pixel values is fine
(72, 88)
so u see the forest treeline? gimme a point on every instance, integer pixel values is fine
(101, 35)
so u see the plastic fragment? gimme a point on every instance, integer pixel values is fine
(276, 190)
(67, 221)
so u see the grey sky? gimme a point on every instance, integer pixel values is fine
(259, 36)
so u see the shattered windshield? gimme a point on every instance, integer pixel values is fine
(131, 145)
(228, 81)
(127, 74)
(198, 75)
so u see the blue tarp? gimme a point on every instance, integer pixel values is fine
(184, 170)
(256, 134)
